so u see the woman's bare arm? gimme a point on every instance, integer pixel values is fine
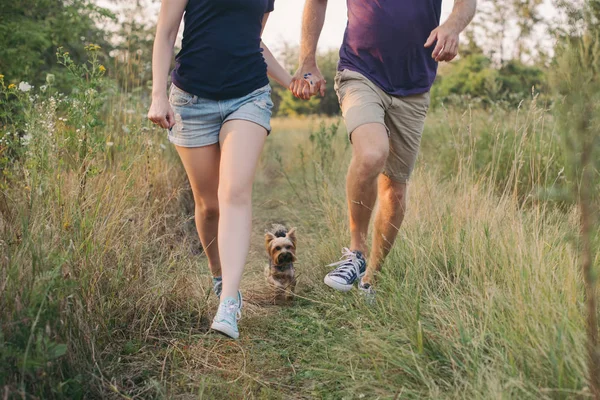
(274, 68)
(169, 19)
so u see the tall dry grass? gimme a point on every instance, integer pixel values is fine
(104, 292)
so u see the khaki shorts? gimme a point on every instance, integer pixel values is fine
(363, 102)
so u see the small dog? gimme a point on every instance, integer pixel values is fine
(281, 249)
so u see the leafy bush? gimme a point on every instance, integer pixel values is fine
(474, 78)
(32, 30)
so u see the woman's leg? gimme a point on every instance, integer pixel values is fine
(202, 167)
(241, 145)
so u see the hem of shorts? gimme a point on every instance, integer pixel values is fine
(188, 145)
(395, 178)
(397, 93)
(365, 123)
(185, 85)
(242, 117)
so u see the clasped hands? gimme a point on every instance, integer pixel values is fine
(307, 82)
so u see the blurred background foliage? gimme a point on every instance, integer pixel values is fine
(486, 72)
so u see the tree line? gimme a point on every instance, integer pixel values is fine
(486, 72)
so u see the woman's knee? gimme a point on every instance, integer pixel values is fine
(208, 211)
(235, 194)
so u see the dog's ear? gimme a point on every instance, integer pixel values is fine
(292, 236)
(269, 237)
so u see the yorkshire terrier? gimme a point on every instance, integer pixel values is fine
(281, 249)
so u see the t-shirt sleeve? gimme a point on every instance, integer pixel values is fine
(270, 5)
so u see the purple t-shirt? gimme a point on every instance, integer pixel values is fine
(385, 41)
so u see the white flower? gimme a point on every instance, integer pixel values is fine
(50, 78)
(110, 144)
(24, 87)
(25, 139)
(43, 88)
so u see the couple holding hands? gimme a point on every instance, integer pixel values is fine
(218, 113)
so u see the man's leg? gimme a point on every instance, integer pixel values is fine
(405, 120)
(370, 148)
(363, 107)
(388, 219)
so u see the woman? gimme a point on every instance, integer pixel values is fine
(218, 115)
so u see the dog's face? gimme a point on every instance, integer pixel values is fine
(282, 250)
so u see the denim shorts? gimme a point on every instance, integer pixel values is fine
(198, 121)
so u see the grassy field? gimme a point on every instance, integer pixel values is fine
(104, 292)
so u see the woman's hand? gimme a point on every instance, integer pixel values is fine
(161, 112)
(307, 82)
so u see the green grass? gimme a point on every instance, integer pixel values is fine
(105, 294)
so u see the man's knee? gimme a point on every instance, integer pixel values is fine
(392, 191)
(370, 148)
(371, 161)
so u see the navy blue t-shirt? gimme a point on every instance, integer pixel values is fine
(221, 57)
(385, 41)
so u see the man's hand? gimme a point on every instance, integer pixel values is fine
(447, 38)
(161, 112)
(307, 82)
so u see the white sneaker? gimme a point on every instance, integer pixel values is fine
(228, 314)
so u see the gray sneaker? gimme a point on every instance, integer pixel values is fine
(217, 285)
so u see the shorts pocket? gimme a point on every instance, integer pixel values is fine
(179, 98)
(340, 85)
(259, 91)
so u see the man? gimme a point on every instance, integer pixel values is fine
(388, 62)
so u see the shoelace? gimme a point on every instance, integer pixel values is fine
(347, 263)
(232, 308)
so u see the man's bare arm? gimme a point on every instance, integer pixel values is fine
(313, 19)
(447, 34)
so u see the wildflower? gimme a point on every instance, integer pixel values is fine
(50, 78)
(110, 144)
(102, 68)
(92, 47)
(1, 77)
(12, 86)
(24, 87)
(43, 88)
(25, 139)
